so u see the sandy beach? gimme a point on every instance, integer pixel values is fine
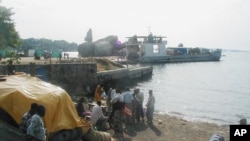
(168, 128)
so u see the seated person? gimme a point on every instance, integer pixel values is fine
(27, 116)
(80, 108)
(97, 117)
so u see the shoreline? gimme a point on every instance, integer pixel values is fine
(195, 119)
(170, 128)
(219, 122)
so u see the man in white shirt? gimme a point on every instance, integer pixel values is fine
(117, 97)
(97, 118)
(150, 107)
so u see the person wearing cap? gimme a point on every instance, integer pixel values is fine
(128, 98)
(150, 107)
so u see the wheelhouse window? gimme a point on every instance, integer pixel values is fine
(155, 49)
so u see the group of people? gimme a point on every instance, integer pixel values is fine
(121, 107)
(117, 101)
(32, 123)
(95, 114)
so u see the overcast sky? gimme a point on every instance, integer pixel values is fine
(195, 23)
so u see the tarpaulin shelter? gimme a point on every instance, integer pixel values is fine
(17, 93)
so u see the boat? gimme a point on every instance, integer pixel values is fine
(153, 49)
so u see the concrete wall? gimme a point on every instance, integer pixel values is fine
(75, 78)
(122, 78)
(140, 72)
(112, 74)
(125, 73)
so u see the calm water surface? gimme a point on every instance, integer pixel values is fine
(217, 92)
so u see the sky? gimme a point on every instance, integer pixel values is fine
(195, 23)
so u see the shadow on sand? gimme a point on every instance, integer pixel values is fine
(130, 130)
(155, 129)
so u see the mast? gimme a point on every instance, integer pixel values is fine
(149, 30)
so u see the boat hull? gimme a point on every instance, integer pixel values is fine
(178, 58)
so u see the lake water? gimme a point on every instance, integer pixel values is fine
(217, 92)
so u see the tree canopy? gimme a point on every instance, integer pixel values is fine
(8, 35)
(47, 44)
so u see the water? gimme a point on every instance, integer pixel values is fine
(216, 92)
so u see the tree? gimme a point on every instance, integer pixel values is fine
(8, 35)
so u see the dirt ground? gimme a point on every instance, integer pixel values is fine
(167, 128)
(103, 64)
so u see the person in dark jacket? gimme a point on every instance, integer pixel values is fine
(27, 116)
(36, 128)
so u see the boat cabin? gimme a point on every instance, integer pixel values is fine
(145, 46)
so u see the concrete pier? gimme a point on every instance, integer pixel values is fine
(75, 78)
(128, 73)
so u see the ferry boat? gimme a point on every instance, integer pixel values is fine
(152, 49)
